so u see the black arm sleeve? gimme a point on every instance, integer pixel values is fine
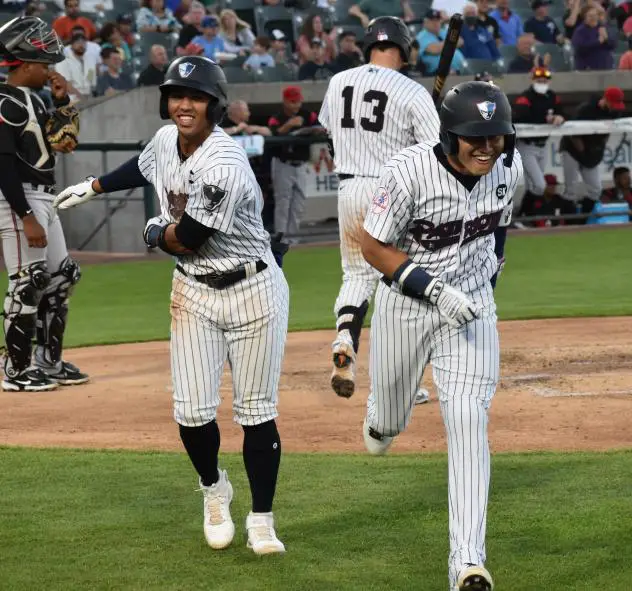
(191, 234)
(126, 176)
(500, 234)
(11, 186)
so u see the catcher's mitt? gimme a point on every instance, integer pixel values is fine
(62, 129)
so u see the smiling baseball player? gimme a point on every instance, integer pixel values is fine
(370, 112)
(430, 232)
(229, 298)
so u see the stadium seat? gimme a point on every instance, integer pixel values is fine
(238, 76)
(126, 6)
(245, 10)
(357, 29)
(146, 40)
(342, 16)
(561, 60)
(275, 17)
(476, 66)
(420, 8)
(276, 74)
(509, 52)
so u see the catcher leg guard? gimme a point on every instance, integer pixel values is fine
(52, 314)
(20, 308)
(350, 319)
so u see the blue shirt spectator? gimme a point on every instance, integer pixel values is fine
(542, 25)
(509, 23)
(430, 40)
(256, 62)
(209, 41)
(478, 42)
(153, 16)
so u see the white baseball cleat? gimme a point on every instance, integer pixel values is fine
(262, 538)
(475, 578)
(422, 396)
(375, 443)
(219, 529)
(343, 375)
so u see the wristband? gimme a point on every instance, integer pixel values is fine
(412, 279)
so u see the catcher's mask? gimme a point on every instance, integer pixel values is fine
(28, 39)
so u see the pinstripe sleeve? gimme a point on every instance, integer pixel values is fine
(323, 116)
(424, 117)
(390, 209)
(513, 176)
(147, 162)
(214, 199)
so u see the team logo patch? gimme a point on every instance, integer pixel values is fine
(382, 36)
(501, 191)
(214, 196)
(185, 69)
(381, 201)
(177, 204)
(486, 109)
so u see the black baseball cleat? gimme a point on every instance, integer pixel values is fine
(30, 380)
(475, 578)
(69, 375)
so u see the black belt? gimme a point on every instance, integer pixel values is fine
(42, 188)
(224, 280)
(343, 176)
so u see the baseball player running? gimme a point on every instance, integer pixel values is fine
(41, 274)
(229, 298)
(430, 232)
(370, 112)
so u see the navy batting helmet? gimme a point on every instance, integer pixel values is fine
(28, 39)
(476, 109)
(388, 29)
(198, 73)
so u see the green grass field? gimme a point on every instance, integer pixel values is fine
(89, 520)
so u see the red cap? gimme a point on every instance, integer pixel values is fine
(614, 98)
(293, 94)
(550, 179)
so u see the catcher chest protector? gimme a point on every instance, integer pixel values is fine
(28, 39)
(197, 73)
(387, 29)
(476, 109)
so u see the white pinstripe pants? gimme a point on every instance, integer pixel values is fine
(246, 325)
(406, 334)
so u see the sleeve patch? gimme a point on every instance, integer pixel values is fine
(381, 201)
(214, 196)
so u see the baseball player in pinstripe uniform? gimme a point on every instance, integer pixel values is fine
(370, 112)
(229, 298)
(430, 230)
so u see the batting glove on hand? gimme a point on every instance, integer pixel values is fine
(153, 230)
(453, 304)
(75, 195)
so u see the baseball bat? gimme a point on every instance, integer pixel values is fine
(447, 53)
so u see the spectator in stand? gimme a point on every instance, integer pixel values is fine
(527, 58)
(180, 10)
(192, 27)
(350, 55)
(237, 35)
(260, 56)
(542, 25)
(550, 204)
(622, 190)
(316, 68)
(125, 22)
(509, 23)
(112, 81)
(367, 10)
(278, 48)
(93, 50)
(625, 62)
(111, 37)
(621, 13)
(63, 25)
(313, 27)
(593, 43)
(581, 155)
(571, 17)
(153, 17)
(236, 121)
(210, 41)
(413, 64)
(154, 73)
(79, 68)
(95, 6)
(430, 40)
(487, 21)
(478, 42)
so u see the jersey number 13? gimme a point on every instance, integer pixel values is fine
(374, 123)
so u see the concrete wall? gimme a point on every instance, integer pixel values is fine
(134, 117)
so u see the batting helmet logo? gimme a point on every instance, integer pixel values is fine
(186, 69)
(486, 109)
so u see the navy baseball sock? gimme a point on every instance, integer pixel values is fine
(202, 445)
(262, 456)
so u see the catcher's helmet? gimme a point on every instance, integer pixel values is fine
(476, 109)
(28, 39)
(387, 29)
(198, 73)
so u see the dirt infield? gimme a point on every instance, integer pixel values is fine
(566, 385)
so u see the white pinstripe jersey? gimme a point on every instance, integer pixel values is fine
(371, 113)
(422, 209)
(216, 187)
